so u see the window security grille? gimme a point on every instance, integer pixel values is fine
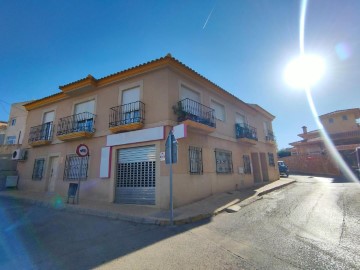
(195, 158)
(38, 169)
(223, 161)
(76, 167)
(271, 159)
(247, 165)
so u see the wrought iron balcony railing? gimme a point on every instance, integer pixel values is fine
(42, 132)
(245, 131)
(82, 122)
(188, 109)
(270, 137)
(127, 114)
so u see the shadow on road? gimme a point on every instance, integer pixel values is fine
(33, 237)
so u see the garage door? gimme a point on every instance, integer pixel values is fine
(135, 179)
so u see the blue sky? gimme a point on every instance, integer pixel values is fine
(241, 45)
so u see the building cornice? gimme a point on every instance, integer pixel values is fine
(45, 101)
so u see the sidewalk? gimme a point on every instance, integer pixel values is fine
(205, 208)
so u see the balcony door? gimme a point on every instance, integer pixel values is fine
(188, 106)
(130, 106)
(83, 116)
(47, 125)
(240, 119)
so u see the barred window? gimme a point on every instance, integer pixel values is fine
(247, 164)
(223, 161)
(271, 159)
(195, 158)
(76, 167)
(38, 169)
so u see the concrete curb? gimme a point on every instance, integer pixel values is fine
(144, 220)
(275, 188)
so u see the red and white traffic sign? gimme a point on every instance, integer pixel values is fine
(82, 150)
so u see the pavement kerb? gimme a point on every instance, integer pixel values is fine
(275, 188)
(149, 220)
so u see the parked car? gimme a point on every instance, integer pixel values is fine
(283, 168)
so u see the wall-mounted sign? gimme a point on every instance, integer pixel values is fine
(162, 156)
(82, 150)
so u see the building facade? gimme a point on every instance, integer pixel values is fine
(12, 134)
(123, 120)
(343, 128)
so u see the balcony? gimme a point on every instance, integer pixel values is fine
(245, 133)
(41, 135)
(127, 117)
(195, 115)
(76, 126)
(270, 137)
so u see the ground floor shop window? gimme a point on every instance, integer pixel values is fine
(38, 169)
(247, 164)
(75, 167)
(223, 161)
(271, 159)
(195, 158)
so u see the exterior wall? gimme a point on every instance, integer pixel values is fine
(340, 125)
(317, 165)
(159, 90)
(19, 113)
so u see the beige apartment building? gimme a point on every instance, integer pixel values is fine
(124, 119)
(12, 133)
(343, 128)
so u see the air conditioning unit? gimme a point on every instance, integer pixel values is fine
(19, 154)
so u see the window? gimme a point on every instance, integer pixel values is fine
(84, 118)
(223, 160)
(219, 110)
(188, 93)
(13, 122)
(331, 120)
(271, 159)
(247, 164)
(240, 118)
(75, 167)
(195, 158)
(344, 117)
(38, 169)
(130, 105)
(10, 139)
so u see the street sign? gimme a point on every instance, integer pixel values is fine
(82, 150)
(171, 149)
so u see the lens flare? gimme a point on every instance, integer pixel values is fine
(328, 143)
(343, 51)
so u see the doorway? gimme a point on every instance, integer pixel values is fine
(53, 170)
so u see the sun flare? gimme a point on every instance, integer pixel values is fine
(304, 71)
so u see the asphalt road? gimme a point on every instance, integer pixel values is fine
(312, 224)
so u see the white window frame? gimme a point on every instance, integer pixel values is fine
(215, 103)
(11, 140)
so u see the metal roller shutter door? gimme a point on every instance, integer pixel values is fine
(135, 179)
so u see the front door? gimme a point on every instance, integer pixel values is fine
(52, 174)
(264, 167)
(256, 168)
